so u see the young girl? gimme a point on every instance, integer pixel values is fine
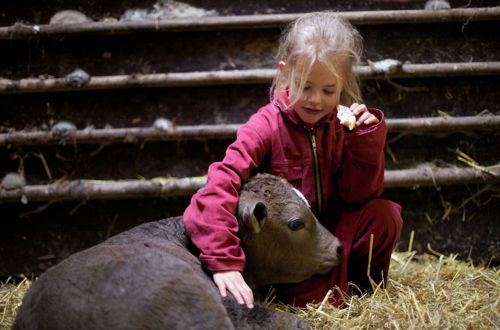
(298, 137)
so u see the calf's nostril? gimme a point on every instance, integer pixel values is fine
(340, 249)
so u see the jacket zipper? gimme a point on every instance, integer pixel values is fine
(317, 173)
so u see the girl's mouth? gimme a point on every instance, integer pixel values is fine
(310, 110)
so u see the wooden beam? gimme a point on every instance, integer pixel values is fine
(204, 132)
(174, 187)
(443, 124)
(123, 135)
(428, 176)
(22, 31)
(232, 77)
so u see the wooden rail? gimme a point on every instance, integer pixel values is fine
(232, 77)
(22, 31)
(203, 132)
(113, 135)
(174, 187)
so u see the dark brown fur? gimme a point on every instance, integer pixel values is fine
(147, 278)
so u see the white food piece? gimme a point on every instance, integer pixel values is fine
(346, 117)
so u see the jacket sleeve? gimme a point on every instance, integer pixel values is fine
(361, 173)
(209, 219)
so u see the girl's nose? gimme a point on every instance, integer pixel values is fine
(313, 98)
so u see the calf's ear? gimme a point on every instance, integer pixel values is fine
(259, 211)
(259, 216)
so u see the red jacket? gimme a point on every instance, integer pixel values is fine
(274, 140)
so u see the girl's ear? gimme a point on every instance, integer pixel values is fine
(281, 65)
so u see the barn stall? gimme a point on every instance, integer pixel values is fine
(113, 121)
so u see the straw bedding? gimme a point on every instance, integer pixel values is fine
(428, 291)
(424, 292)
(10, 299)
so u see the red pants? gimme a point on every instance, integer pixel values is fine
(354, 226)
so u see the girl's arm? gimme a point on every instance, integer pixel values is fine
(210, 220)
(361, 174)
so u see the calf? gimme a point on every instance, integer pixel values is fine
(150, 278)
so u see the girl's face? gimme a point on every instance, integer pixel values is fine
(320, 96)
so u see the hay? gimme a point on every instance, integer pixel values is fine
(424, 292)
(11, 296)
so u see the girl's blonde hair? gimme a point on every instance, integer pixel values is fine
(323, 37)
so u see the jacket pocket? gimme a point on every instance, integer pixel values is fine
(291, 172)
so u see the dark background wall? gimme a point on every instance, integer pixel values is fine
(35, 235)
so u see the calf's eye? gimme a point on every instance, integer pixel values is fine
(296, 224)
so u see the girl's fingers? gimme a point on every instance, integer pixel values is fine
(372, 120)
(244, 292)
(247, 295)
(363, 118)
(358, 109)
(222, 287)
(236, 293)
(233, 282)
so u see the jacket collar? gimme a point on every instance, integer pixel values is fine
(292, 115)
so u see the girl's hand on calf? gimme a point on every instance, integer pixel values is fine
(233, 282)
(363, 116)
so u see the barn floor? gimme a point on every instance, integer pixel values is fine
(200, 78)
(426, 291)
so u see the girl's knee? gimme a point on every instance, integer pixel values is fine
(381, 221)
(386, 214)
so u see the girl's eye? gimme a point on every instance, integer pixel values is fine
(296, 224)
(307, 88)
(329, 92)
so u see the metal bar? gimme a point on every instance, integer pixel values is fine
(174, 187)
(204, 132)
(21, 31)
(232, 77)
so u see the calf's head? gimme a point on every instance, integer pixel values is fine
(282, 239)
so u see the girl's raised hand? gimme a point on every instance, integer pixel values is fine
(363, 116)
(233, 282)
